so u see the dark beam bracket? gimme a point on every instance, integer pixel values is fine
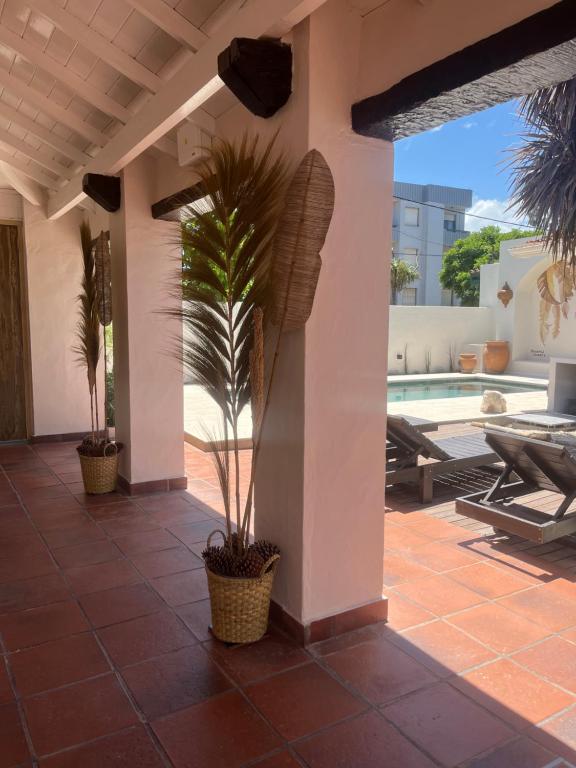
(534, 53)
(167, 208)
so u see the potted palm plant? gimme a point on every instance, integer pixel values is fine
(250, 267)
(98, 454)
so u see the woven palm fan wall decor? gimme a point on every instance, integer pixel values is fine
(556, 288)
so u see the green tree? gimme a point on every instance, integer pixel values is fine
(461, 263)
(401, 275)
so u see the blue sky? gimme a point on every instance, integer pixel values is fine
(470, 152)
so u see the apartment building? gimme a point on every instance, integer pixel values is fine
(427, 220)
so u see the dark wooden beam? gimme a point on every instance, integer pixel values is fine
(167, 208)
(534, 53)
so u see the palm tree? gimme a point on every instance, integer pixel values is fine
(544, 167)
(401, 275)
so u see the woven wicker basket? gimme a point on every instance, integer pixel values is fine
(240, 606)
(99, 473)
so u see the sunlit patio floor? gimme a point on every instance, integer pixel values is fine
(107, 661)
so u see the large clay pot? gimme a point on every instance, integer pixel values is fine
(467, 362)
(496, 356)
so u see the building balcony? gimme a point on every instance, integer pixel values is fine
(450, 236)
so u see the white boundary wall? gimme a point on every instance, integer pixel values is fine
(416, 330)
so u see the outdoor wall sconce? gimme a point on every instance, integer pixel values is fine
(104, 190)
(505, 294)
(258, 72)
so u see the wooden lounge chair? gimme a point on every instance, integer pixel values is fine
(529, 466)
(406, 445)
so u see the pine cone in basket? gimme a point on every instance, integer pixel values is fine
(250, 566)
(265, 549)
(219, 560)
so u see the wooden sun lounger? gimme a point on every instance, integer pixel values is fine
(529, 466)
(451, 454)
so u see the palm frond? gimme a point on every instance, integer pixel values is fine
(88, 329)
(544, 168)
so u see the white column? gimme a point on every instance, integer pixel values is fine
(148, 377)
(321, 479)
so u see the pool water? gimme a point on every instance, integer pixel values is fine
(440, 390)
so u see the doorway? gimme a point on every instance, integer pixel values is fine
(13, 337)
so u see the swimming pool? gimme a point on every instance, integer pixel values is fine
(444, 389)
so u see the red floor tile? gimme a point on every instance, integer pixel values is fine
(97, 578)
(303, 700)
(246, 664)
(553, 659)
(38, 625)
(181, 588)
(367, 741)
(126, 525)
(514, 694)
(31, 593)
(547, 606)
(278, 760)
(223, 732)
(194, 533)
(13, 747)
(440, 595)
(155, 564)
(143, 638)
(147, 541)
(520, 753)
(403, 613)
(174, 681)
(197, 617)
(499, 628)
(6, 693)
(403, 540)
(442, 648)
(558, 735)
(399, 569)
(78, 713)
(120, 604)
(129, 749)
(379, 670)
(487, 580)
(446, 724)
(17, 567)
(89, 553)
(80, 534)
(57, 663)
(26, 545)
(443, 556)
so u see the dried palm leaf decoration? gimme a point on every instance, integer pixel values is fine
(300, 235)
(103, 266)
(87, 348)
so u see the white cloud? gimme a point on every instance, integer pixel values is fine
(437, 128)
(493, 209)
(471, 124)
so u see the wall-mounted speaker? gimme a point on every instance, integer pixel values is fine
(258, 72)
(104, 190)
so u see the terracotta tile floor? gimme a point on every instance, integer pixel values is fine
(107, 661)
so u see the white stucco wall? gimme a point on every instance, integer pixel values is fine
(435, 329)
(10, 205)
(53, 258)
(521, 263)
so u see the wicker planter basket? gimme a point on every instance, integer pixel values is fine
(99, 473)
(240, 606)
